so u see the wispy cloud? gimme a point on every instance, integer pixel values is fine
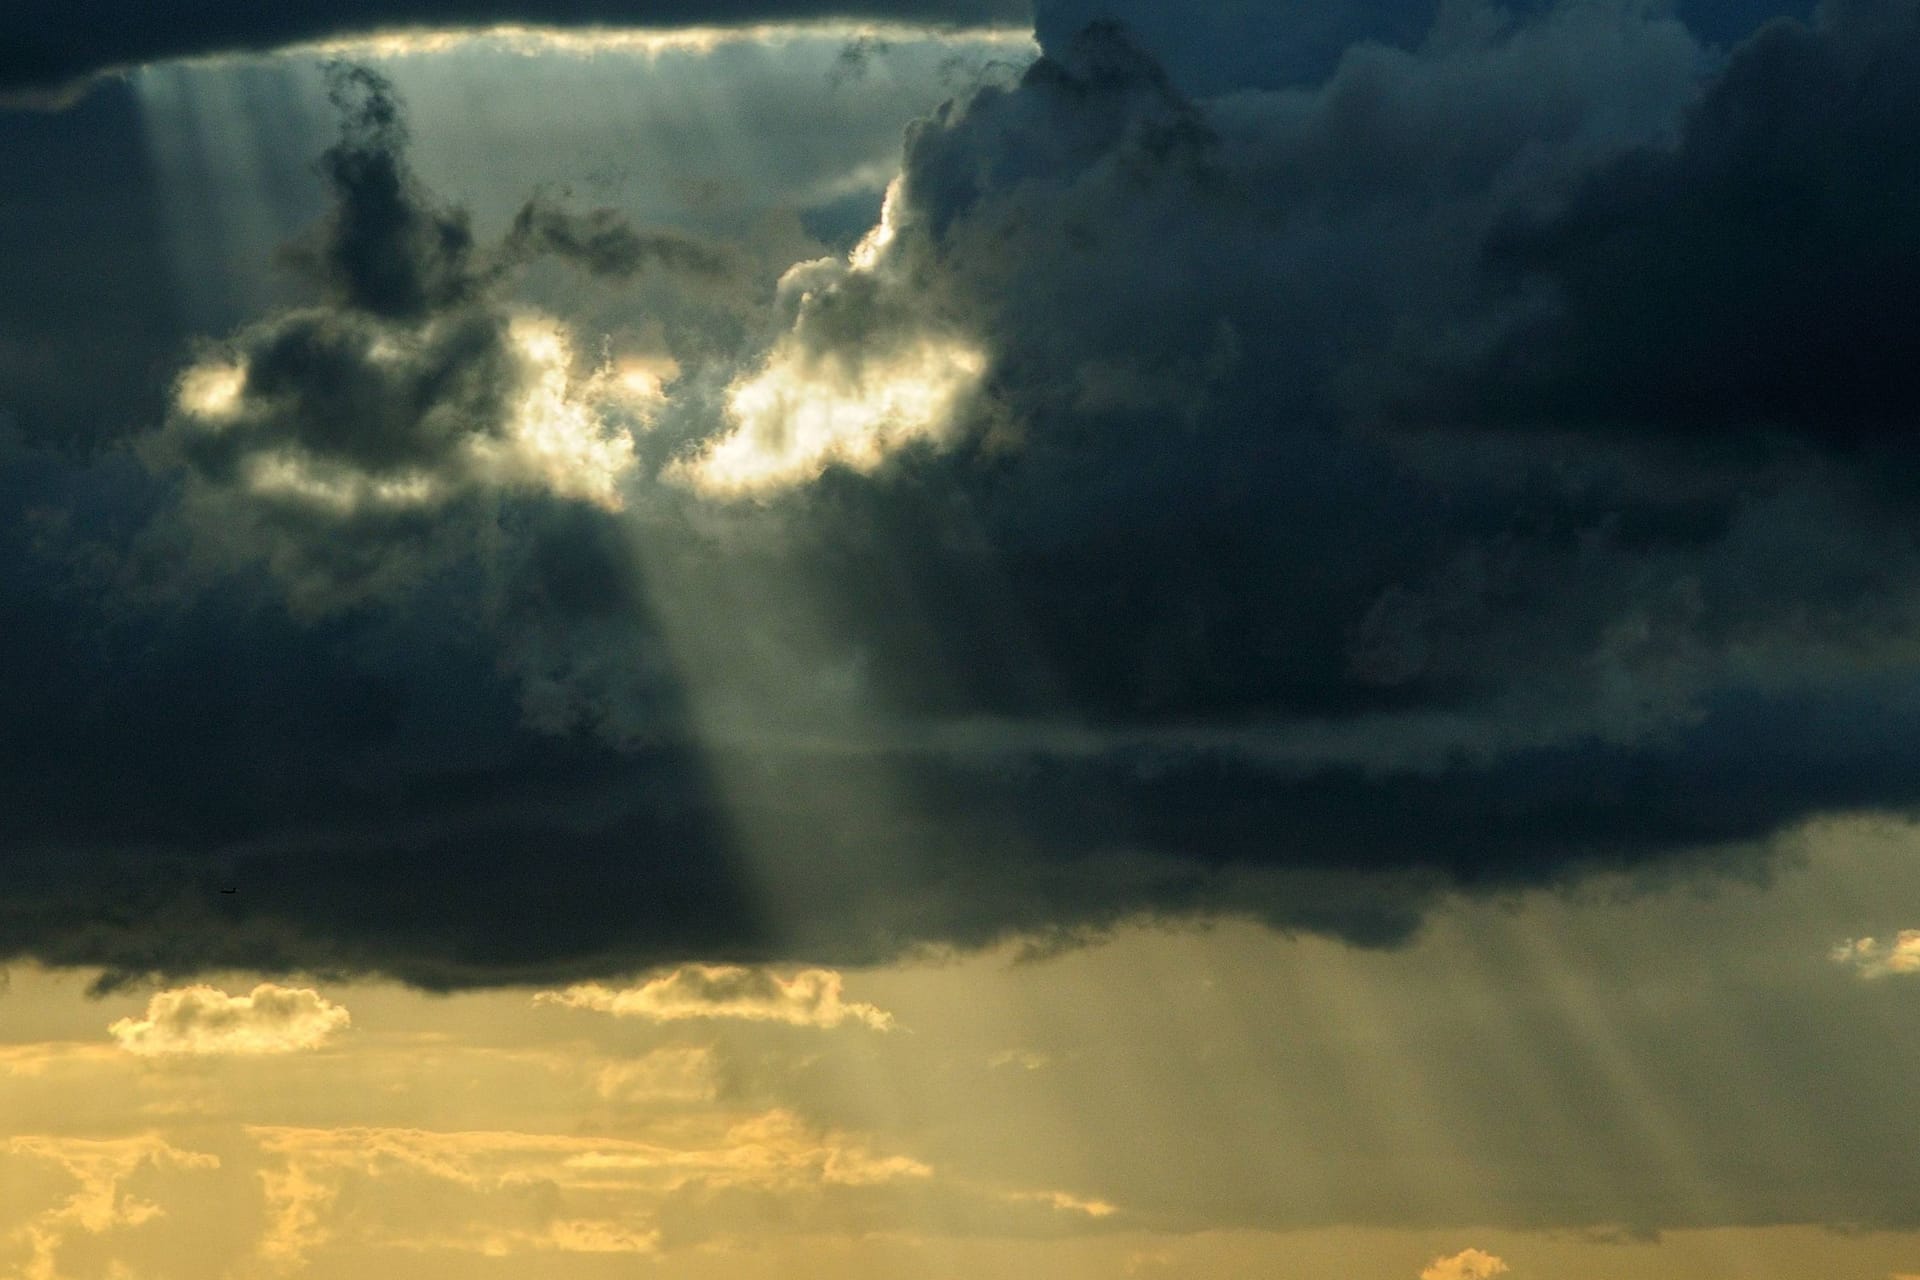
(681, 1074)
(1066, 1202)
(99, 1202)
(614, 1187)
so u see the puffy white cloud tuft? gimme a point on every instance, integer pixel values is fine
(867, 369)
(1468, 1264)
(206, 1020)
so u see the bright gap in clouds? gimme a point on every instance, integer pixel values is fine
(224, 133)
(728, 131)
(537, 41)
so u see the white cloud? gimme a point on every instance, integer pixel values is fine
(206, 1020)
(810, 998)
(1871, 958)
(1468, 1264)
(820, 399)
(803, 411)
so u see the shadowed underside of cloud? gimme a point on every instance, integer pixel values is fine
(1260, 506)
(49, 45)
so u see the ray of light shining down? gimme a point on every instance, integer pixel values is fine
(1678, 1139)
(1655, 1135)
(1521, 1078)
(186, 146)
(1407, 1140)
(213, 147)
(745, 776)
(856, 780)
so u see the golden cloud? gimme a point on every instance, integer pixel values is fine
(809, 998)
(206, 1020)
(1871, 958)
(539, 1191)
(1468, 1264)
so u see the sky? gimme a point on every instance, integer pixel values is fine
(932, 638)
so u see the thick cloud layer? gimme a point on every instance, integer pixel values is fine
(1252, 44)
(1671, 270)
(85, 272)
(1296, 504)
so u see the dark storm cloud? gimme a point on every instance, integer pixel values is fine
(1757, 277)
(1180, 617)
(1196, 310)
(47, 46)
(1253, 44)
(171, 734)
(1179, 298)
(385, 250)
(1296, 642)
(601, 242)
(83, 282)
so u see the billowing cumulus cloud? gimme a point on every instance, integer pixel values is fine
(808, 998)
(866, 368)
(204, 1020)
(1468, 1264)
